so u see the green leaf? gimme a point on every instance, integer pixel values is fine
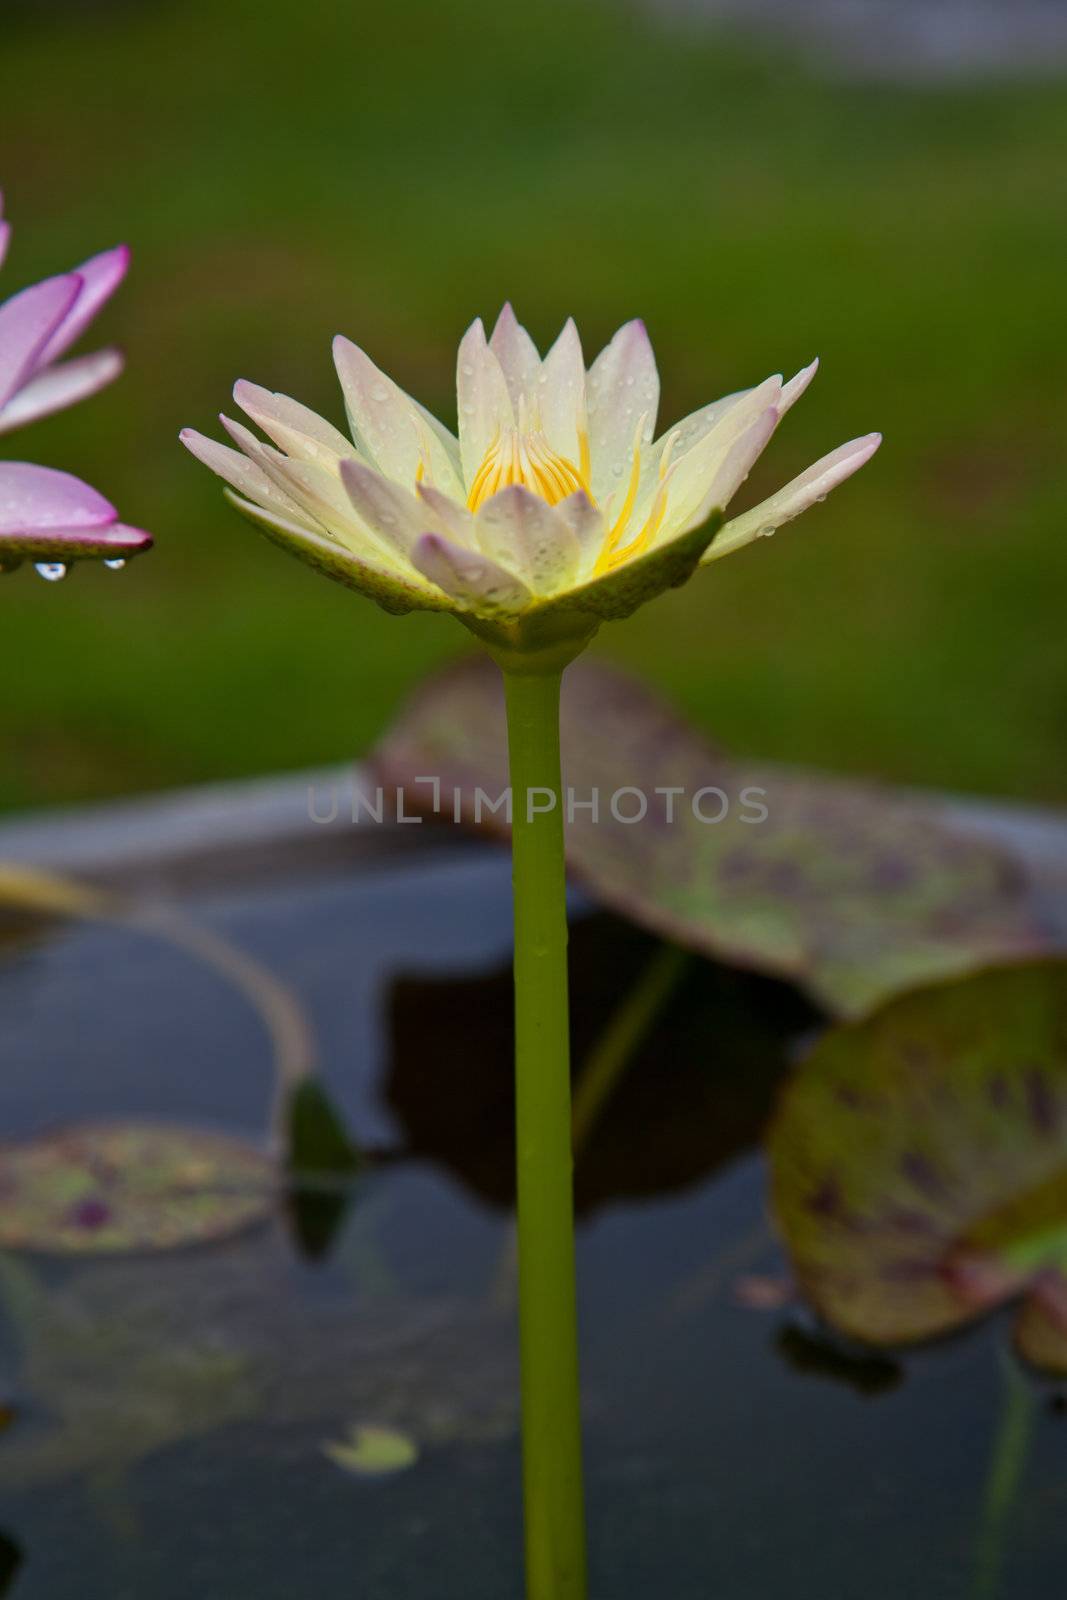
(919, 1163)
(851, 892)
(372, 1452)
(130, 1186)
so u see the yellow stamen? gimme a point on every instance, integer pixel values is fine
(606, 559)
(526, 458)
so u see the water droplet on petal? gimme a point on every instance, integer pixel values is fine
(379, 392)
(50, 571)
(630, 380)
(116, 565)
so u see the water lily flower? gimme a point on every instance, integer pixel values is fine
(554, 509)
(47, 516)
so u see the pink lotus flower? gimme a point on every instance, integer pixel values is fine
(46, 516)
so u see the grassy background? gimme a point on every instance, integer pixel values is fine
(286, 172)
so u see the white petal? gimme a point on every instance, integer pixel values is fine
(560, 396)
(58, 387)
(588, 525)
(391, 428)
(443, 513)
(482, 398)
(318, 492)
(245, 476)
(523, 532)
(622, 386)
(735, 466)
(812, 485)
(518, 356)
(393, 513)
(695, 470)
(296, 429)
(477, 582)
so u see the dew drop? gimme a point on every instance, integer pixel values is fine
(630, 380)
(468, 370)
(50, 571)
(379, 392)
(116, 565)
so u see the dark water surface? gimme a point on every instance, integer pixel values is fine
(169, 1412)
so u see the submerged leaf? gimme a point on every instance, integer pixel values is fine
(131, 1186)
(919, 1163)
(373, 1452)
(851, 892)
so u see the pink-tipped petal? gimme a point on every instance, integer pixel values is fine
(5, 240)
(391, 512)
(792, 391)
(100, 277)
(33, 499)
(452, 519)
(296, 429)
(470, 578)
(247, 477)
(55, 388)
(517, 354)
(814, 484)
(622, 386)
(27, 322)
(316, 492)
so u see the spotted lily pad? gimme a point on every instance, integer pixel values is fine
(850, 892)
(129, 1186)
(919, 1163)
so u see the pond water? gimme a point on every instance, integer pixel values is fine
(164, 1417)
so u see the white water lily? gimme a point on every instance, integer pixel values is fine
(555, 508)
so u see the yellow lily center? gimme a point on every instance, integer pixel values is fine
(528, 459)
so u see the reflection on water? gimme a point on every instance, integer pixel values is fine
(170, 1412)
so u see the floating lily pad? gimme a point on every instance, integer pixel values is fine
(919, 1163)
(129, 1186)
(373, 1452)
(850, 892)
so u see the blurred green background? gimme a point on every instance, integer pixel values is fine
(284, 172)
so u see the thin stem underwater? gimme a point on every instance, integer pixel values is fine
(548, 1321)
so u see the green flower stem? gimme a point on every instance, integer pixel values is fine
(548, 1319)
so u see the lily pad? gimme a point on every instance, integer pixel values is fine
(130, 1186)
(919, 1163)
(373, 1452)
(852, 893)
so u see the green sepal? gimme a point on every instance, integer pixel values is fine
(391, 591)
